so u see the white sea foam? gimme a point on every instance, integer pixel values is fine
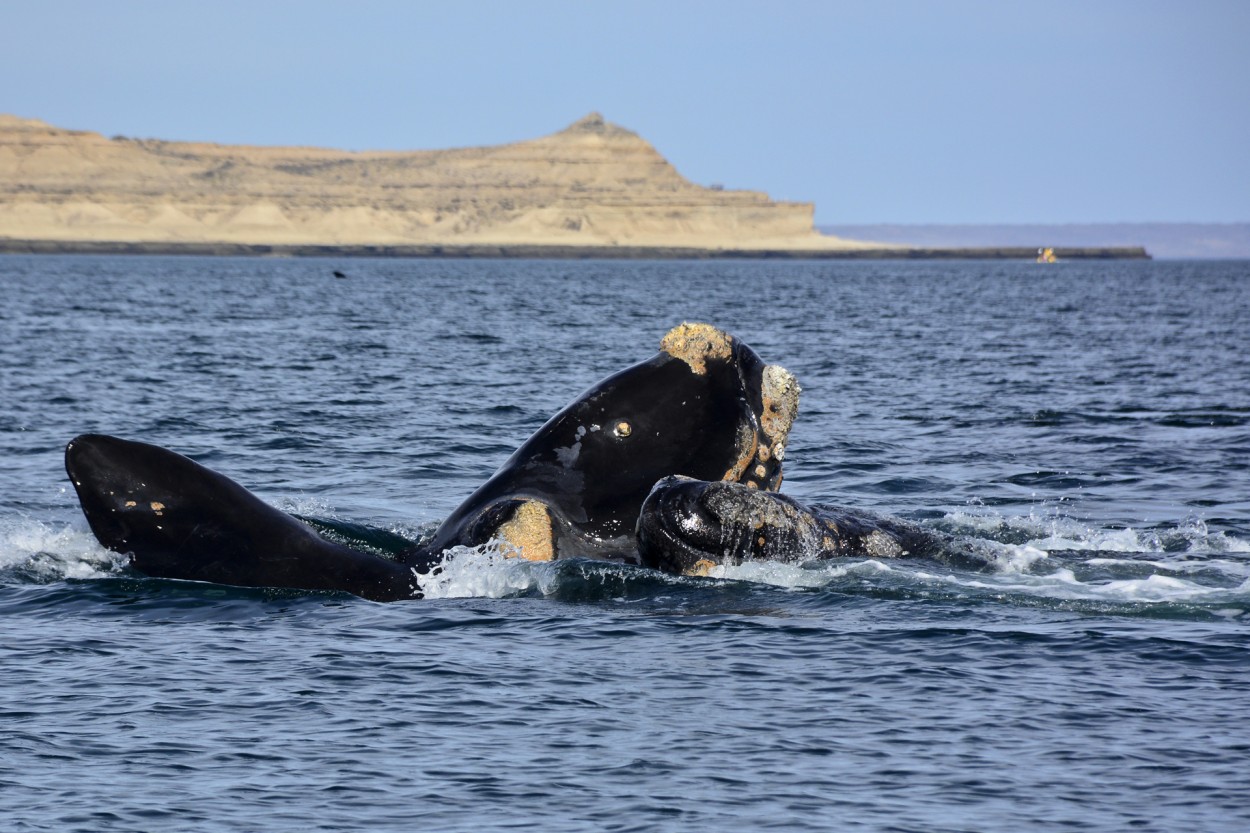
(43, 552)
(485, 572)
(306, 506)
(1021, 571)
(1057, 532)
(1180, 568)
(781, 574)
(1064, 584)
(1009, 558)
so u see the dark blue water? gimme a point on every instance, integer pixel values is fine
(1086, 426)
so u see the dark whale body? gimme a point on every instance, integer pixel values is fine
(688, 526)
(178, 519)
(706, 406)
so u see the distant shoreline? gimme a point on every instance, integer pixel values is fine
(557, 252)
(1163, 240)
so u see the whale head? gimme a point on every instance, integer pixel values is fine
(706, 406)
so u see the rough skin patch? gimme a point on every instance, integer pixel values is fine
(748, 443)
(880, 545)
(700, 568)
(781, 405)
(774, 524)
(694, 344)
(753, 525)
(528, 532)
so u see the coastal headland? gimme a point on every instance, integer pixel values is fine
(594, 189)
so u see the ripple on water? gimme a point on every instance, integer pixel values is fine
(1075, 427)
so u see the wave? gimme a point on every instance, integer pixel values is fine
(1052, 563)
(1063, 533)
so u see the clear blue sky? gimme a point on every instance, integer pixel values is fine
(909, 111)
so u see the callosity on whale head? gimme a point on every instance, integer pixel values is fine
(706, 406)
(689, 526)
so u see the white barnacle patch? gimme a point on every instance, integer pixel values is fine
(780, 394)
(695, 344)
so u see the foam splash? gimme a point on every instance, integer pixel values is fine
(796, 576)
(1064, 584)
(42, 553)
(306, 506)
(488, 571)
(1052, 561)
(1055, 562)
(1060, 533)
(1182, 565)
(1060, 586)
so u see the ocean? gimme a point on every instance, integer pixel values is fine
(1085, 425)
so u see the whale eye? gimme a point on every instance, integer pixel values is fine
(622, 429)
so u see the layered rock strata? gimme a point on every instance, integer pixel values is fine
(592, 184)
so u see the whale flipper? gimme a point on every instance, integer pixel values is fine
(178, 519)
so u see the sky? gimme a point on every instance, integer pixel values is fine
(908, 111)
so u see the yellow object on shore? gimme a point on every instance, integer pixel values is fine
(1046, 255)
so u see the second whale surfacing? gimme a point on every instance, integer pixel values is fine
(688, 527)
(706, 406)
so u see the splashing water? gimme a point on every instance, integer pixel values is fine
(40, 553)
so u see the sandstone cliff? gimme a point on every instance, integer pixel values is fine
(592, 184)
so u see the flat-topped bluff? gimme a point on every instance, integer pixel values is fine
(591, 184)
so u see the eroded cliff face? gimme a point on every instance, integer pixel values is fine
(592, 184)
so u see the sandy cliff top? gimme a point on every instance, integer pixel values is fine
(592, 184)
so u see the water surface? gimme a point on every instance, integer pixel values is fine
(1085, 425)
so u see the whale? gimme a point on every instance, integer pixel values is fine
(688, 527)
(178, 519)
(706, 406)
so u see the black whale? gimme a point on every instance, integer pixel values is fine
(689, 526)
(706, 406)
